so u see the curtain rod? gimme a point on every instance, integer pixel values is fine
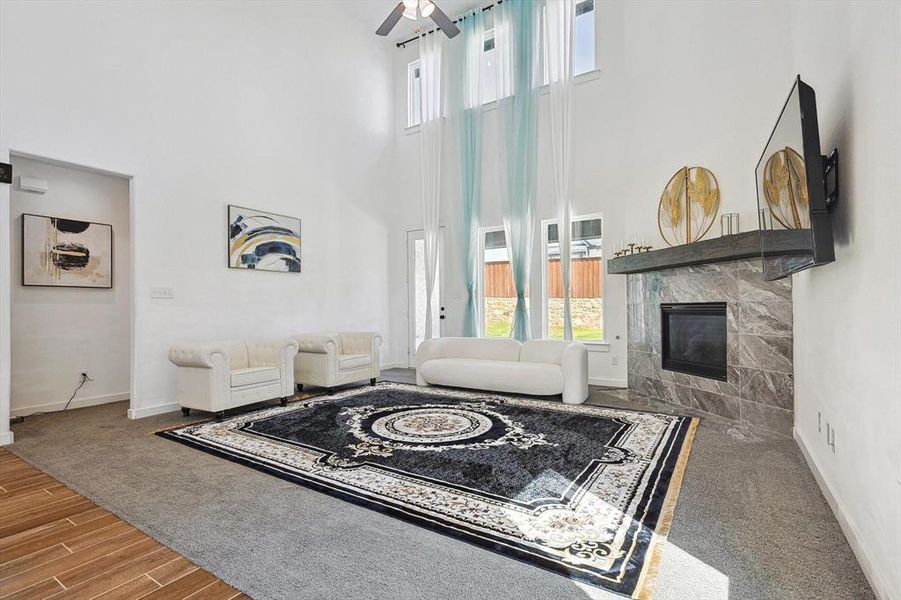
(404, 43)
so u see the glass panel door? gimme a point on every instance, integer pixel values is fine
(416, 311)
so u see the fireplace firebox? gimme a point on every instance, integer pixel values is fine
(693, 338)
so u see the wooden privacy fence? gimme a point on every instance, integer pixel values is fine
(586, 278)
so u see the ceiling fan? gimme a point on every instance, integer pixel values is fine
(412, 9)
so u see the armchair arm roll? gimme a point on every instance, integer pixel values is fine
(201, 355)
(317, 343)
(574, 363)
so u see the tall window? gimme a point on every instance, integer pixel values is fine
(583, 61)
(584, 55)
(488, 69)
(586, 279)
(498, 291)
(414, 95)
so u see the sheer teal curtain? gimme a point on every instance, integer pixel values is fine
(466, 111)
(559, 27)
(431, 62)
(517, 38)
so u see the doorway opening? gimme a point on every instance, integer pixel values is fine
(416, 293)
(71, 287)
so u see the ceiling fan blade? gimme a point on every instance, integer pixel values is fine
(443, 23)
(386, 27)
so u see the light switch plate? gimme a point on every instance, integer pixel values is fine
(162, 292)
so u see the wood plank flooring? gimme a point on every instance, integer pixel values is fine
(55, 543)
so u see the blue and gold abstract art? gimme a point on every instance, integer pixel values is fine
(263, 241)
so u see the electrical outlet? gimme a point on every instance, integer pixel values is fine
(614, 361)
(162, 292)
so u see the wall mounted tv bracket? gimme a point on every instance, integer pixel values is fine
(830, 178)
(6, 173)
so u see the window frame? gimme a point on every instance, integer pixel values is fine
(483, 299)
(487, 105)
(411, 67)
(545, 301)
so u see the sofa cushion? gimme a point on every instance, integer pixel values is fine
(252, 375)
(539, 379)
(353, 361)
(543, 351)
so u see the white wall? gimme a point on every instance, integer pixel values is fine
(59, 333)
(679, 84)
(847, 315)
(279, 106)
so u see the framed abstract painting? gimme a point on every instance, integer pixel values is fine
(263, 241)
(59, 252)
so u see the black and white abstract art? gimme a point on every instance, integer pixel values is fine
(263, 241)
(61, 252)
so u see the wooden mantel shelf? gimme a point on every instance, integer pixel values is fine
(731, 247)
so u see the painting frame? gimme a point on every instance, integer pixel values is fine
(233, 263)
(111, 249)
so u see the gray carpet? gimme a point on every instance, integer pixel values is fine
(750, 522)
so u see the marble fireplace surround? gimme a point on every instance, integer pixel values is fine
(759, 391)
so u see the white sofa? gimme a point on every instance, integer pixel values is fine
(539, 367)
(332, 359)
(217, 376)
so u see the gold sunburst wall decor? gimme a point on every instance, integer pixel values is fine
(688, 205)
(785, 189)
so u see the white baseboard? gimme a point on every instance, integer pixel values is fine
(878, 581)
(149, 411)
(618, 383)
(6, 438)
(24, 411)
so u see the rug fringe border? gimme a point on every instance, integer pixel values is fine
(647, 581)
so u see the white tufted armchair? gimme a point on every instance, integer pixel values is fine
(217, 376)
(332, 359)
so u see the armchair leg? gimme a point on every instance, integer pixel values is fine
(283, 401)
(299, 387)
(330, 391)
(185, 411)
(372, 381)
(220, 415)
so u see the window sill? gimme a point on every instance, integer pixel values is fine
(590, 346)
(545, 89)
(597, 346)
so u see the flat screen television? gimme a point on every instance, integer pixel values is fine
(796, 186)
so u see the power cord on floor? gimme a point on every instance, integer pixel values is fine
(84, 380)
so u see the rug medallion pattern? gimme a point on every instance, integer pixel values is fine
(582, 490)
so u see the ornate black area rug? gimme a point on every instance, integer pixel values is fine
(582, 490)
